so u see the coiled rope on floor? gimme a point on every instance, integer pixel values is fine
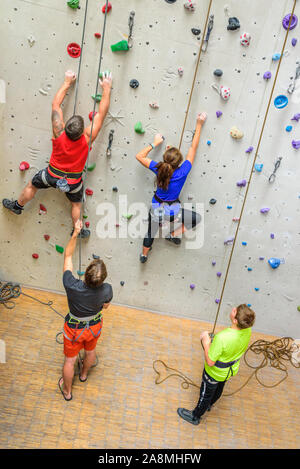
(276, 354)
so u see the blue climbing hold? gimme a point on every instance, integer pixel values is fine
(276, 56)
(274, 262)
(280, 101)
(288, 128)
(258, 167)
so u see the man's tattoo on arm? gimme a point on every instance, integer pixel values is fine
(57, 124)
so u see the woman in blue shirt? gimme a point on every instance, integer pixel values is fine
(171, 176)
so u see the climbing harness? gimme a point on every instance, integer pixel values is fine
(130, 24)
(82, 324)
(273, 175)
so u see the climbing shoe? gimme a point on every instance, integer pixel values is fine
(188, 416)
(143, 259)
(83, 233)
(13, 206)
(174, 240)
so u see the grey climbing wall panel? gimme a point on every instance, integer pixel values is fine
(33, 67)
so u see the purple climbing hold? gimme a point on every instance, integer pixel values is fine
(294, 41)
(217, 300)
(272, 236)
(296, 144)
(264, 210)
(229, 240)
(267, 75)
(192, 286)
(219, 113)
(296, 117)
(261, 258)
(242, 183)
(213, 263)
(249, 150)
(219, 274)
(286, 20)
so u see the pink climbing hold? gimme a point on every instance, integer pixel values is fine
(35, 256)
(89, 191)
(109, 7)
(24, 166)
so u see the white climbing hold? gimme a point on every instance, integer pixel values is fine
(189, 5)
(31, 40)
(236, 133)
(245, 39)
(154, 105)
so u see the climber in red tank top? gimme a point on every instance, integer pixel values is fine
(69, 152)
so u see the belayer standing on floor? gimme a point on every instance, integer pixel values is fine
(83, 323)
(69, 152)
(222, 360)
(170, 178)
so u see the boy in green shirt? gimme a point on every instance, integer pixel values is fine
(222, 360)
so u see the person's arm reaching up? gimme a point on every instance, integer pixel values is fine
(68, 263)
(58, 124)
(106, 84)
(201, 118)
(206, 341)
(142, 156)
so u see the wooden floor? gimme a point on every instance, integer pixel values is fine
(120, 406)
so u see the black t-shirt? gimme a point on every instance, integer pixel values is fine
(84, 301)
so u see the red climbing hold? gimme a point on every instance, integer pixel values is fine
(24, 165)
(74, 50)
(35, 256)
(87, 224)
(43, 209)
(109, 7)
(89, 191)
(97, 35)
(91, 115)
(47, 237)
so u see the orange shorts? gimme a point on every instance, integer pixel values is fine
(86, 339)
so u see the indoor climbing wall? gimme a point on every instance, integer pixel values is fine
(185, 281)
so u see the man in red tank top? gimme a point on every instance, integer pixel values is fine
(69, 152)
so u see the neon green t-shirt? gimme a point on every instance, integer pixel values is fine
(228, 345)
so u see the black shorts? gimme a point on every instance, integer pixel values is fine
(44, 180)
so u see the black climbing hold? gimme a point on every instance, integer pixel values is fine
(218, 72)
(122, 283)
(170, 1)
(233, 24)
(134, 83)
(212, 201)
(115, 189)
(196, 31)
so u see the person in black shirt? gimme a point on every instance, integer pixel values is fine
(83, 323)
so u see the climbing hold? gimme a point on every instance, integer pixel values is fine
(272, 236)
(139, 128)
(236, 133)
(286, 20)
(122, 283)
(59, 249)
(87, 224)
(73, 4)
(89, 191)
(294, 41)
(109, 7)
(103, 74)
(296, 117)
(42, 209)
(225, 92)
(213, 263)
(276, 56)
(235, 219)
(196, 31)
(244, 243)
(127, 216)
(289, 128)
(264, 210)
(74, 50)
(218, 72)
(95, 256)
(296, 144)
(47, 237)
(249, 269)
(92, 113)
(229, 240)
(24, 166)
(134, 83)
(245, 39)
(280, 101)
(208, 142)
(249, 150)
(219, 274)
(97, 35)
(233, 24)
(261, 258)
(170, 1)
(298, 308)
(212, 201)
(97, 98)
(219, 113)
(120, 46)
(189, 5)
(91, 167)
(242, 183)
(84, 216)
(217, 300)
(35, 256)
(192, 286)
(80, 273)
(258, 167)
(154, 105)
(180, 71)
(115, 189)
(267, 75)
(274, 262)
(256, 289)
(31, 40)
(229, 207)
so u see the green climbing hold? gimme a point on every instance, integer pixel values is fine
(59, 248)
(139, 128)
(97, 97)
(80, 273)
(73, 4)
(127, 215)
(120, 46)
(102, 73)
(298, 308)
(84, 216)
(91, 167)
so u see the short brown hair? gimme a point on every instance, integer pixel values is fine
(95, 273)
(74, 127)
(245, 317)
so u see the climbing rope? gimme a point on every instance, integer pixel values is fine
(80, 57)
(274, 354)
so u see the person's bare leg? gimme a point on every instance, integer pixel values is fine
(145, 251)
(27, 194)
(88, 361)
(68, 375)
(75, 211)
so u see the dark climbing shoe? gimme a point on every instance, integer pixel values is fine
(143, 259)
(174, 240)
(188, 416)
(83, 233)
(11, 205)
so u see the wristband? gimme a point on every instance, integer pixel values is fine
(151, 145)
